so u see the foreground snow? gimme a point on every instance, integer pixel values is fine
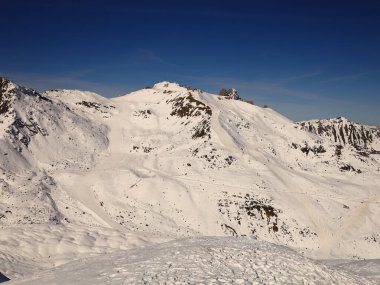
(206, 260)
(27, 249)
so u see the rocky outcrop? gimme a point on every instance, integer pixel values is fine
(342, 131)
(229, 93)
(6, 97)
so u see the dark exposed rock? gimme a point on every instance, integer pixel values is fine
(255, 208)
(93, 105)
(230, 159)
(9, 91)
(342, 131)
(143, 113)
(6, 97)
(348, 167)
(189, 88)
(229, 93)
(90, 104)
(338, 150)
(188, 106)
(229, 230)
(21, 132)
(345, 134)
(202, 130)
(315, 149)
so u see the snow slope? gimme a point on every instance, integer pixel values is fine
(27, 249)
(168, 162)
(199, 261)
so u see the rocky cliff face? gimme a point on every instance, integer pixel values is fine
(344, 132)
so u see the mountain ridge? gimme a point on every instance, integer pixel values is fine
(343, 131)
(174, 161)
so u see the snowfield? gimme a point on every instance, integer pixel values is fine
(198, 261)
(30, 248)
(93, 179)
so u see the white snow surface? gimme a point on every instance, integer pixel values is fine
(222, 260)
(83, 175)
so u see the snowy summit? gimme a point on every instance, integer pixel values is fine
(125, 190)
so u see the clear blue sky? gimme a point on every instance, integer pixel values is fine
(307, 59)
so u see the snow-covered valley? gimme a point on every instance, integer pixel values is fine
(95, 185)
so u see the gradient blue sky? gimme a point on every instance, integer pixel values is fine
(306, 59)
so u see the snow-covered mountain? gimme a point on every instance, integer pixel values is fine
(342, 131)
(169, 161)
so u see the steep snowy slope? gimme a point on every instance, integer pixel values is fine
(171, 161)
(199, 261)
(40, 135)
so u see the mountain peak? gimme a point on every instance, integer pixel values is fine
(6, 85)
(166, 85)
(343, 120)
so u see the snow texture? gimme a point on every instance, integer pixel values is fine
(199, 261)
